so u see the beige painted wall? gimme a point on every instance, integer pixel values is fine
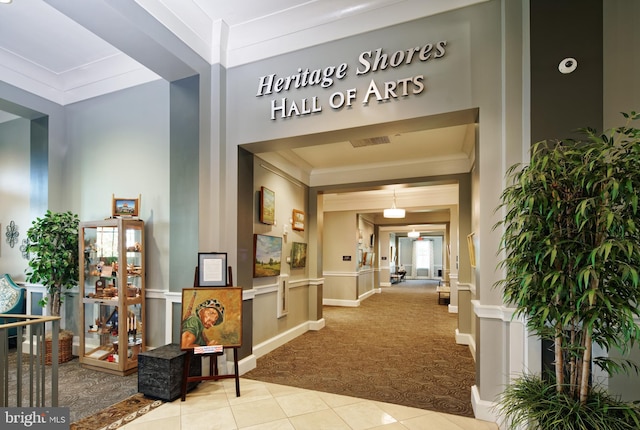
(289, 194)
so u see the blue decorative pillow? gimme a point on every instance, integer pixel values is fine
(9, 296)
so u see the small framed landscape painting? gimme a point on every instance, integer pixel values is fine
(125, 207)
(267, 255)
(298, 255)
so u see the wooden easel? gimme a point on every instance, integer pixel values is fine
(213, 371)
(213, 359)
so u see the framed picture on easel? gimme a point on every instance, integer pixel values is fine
(211, 317)
(212, 269)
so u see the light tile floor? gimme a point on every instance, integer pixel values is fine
(214, 405)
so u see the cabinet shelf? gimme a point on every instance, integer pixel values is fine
(112, 308)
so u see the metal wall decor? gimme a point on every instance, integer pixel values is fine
(12, 234)
(24, 248)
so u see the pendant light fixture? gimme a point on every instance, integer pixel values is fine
(394, 212)
(413, 234)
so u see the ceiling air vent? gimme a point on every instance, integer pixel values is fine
(370, 141)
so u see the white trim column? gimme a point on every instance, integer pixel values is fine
(453, 300)
(500, 331)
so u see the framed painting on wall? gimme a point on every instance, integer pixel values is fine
(297, 222)
(472, 249)
(371, 256)
(267, 206)
(211, 317)
(298, 255)
(267, 255)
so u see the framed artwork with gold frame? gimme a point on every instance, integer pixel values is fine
(297, 220)
(211, 316)
(125, 207)
(472, 249)
(298, 255)
(267, 255)
(267, 206)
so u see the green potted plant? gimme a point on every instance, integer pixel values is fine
(53, 250)
(571, 243)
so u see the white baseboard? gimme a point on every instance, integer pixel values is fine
(463, 338)
(250, 362)
(351, 303)
(339, 302)
(466, 339)
(269, 345)
(369, 294)
(317, 325)
(482, 409)
(244, 365)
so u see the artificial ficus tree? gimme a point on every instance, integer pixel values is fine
(53, 250)
(571, 243)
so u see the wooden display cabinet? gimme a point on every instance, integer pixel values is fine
(112, 291)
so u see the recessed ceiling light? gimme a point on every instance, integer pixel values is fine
(5, 1)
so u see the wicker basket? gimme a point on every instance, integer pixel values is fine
(65, 347)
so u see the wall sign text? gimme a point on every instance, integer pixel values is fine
(368, 62)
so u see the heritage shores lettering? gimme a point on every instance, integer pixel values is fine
(368, 62)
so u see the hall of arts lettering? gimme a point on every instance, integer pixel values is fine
(369, 62)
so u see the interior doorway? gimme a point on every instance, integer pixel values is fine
(421, 257)
(344, 177)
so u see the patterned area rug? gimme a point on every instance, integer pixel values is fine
(83, 391)
(396, 347)
(117, 415)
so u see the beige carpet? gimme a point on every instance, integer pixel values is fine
(397, 347)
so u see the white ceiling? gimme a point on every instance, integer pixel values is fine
(50, 48)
